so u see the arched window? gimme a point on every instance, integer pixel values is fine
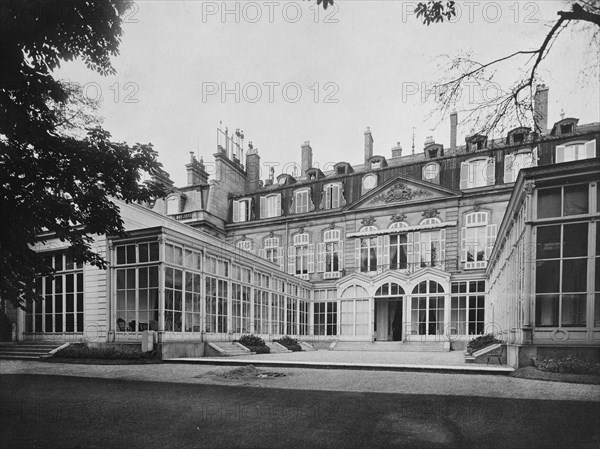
(398, 224)
(477, 238)
(354, 311)
(427, 309)
(330, 254)
(389, 289)
(301, 256)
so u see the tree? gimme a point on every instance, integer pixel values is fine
(515, 104)
(59, 168)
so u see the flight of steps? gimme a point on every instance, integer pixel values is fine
(225, 349)
(27, 351)
(276, 348)
(393, 346)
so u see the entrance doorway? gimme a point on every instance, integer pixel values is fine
(388, 319)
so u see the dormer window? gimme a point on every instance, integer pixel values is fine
(377, 162)
(332, 197)
(375, 165)
(476, 142)
(518, 138)
(241, 210)
(576, 151)
(567, 128)
(518, 135)
(341, 170)
(302, 202)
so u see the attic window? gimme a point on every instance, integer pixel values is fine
(375, 164)
(433, 153)
(519, 137)
(567, 128)
(341, 170)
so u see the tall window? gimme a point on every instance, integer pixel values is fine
(216, 294)
(278, 308)
(561, 275)
(291, 327)
(241, 210)
(478, 237)
(477, 173)
(62, 308)
(576, 151)
(301, 201)
(467, 308)
(270, 206)
(137, 286)
(367, 254)
(261, 303)
(325, 318)
(301, 256)
(398, 244)
(332, 197)
(427, 311)
(330, 254)
(513, 163)
(272, 251)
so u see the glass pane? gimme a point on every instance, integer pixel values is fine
(547, 276)
(576, 199)
(548, 242)
(573, 310)
(546, 310)
(597, 309)
(548, 203)
(574, 275)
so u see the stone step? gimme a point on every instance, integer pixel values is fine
(394, 346)
(26, 351)
(276, 348)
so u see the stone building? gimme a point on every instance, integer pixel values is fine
(400, 248)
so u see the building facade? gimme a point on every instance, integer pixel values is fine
(402, 248)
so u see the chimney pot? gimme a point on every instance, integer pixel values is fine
(453, 129)
(306, 158)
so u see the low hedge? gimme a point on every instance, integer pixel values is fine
(83, 351)
(481, 342)
(290, 343)
(254, 343)
(569, 365)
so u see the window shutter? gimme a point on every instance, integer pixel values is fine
(560, 154)
(590, 149)
(379, 254)
(236, 211)
(311, 258)
(490, 172)
(410, 249)
(357, 253)
(386, 252)
(464, 176)
(341, 255)
(534, 157)
(280, 259)
(509, 169)
(463, 243)
(491, 238)
(321, 257)
(278, 211)
(292, 260)
(443, 247)
(263, 207)
(335, 197)
(417, 248)
(262, 253)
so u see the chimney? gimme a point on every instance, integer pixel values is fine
(397, 151)
(196, 172)
(368, 145)
(453, 127)
(540, 109)
(252, 168)
(306, 158)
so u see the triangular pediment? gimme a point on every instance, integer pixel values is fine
(402, 190)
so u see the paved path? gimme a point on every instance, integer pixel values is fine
(338, 380)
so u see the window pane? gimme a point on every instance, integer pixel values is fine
(574, 275)
(547, 276)
(575, 240)
(548, 242)
(576, 199)
(597, 309)
(548, 203)
(546, 310)
(573, 310)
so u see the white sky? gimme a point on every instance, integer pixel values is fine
(371, 52)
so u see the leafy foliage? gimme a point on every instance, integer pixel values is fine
(435, 11)
(290, 343)
(481, 342)
(251, 340)
(59, 168)
(570, 365)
